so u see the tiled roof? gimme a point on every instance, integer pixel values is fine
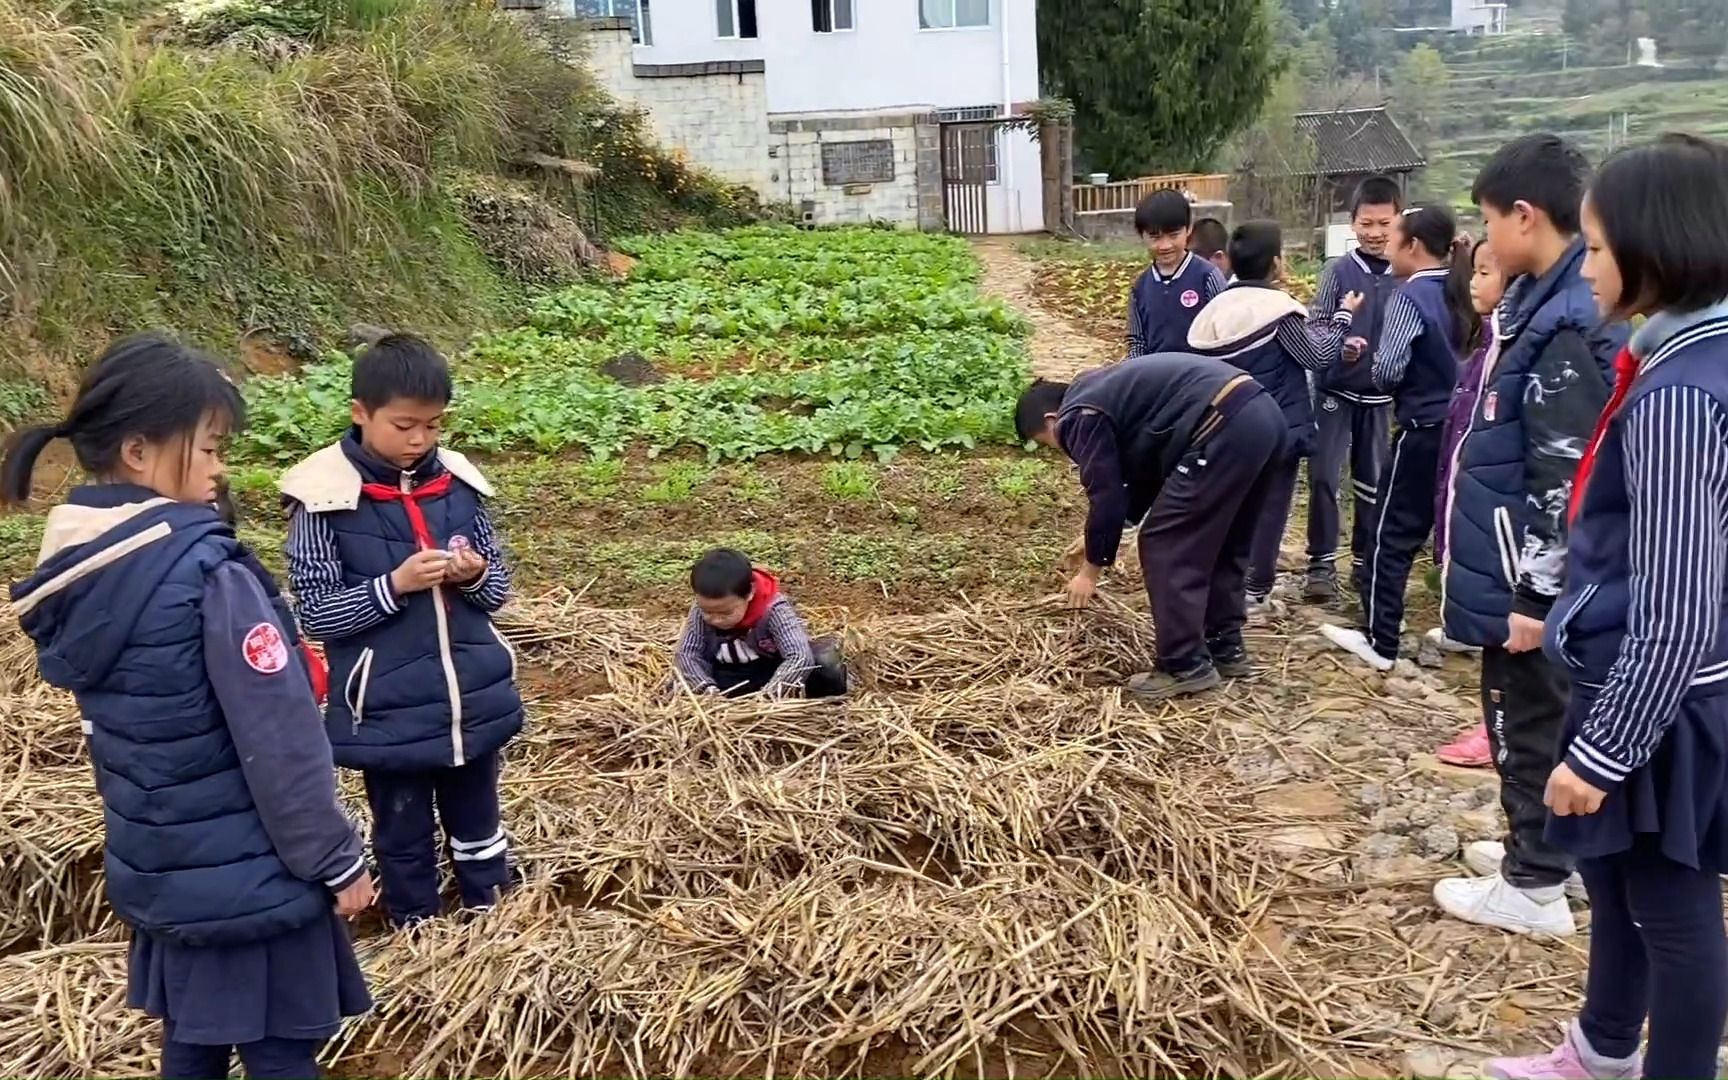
(1357, 141)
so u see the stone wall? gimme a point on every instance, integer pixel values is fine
(715, 113)
(810, 153)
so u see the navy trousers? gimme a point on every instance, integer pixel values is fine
(1524, 709)
(827, 679)
(405, 836)
(1402, 522)
(1657, 951)
(1269, 528)
(1353, 433)
(266, 1059)
(1198, 536)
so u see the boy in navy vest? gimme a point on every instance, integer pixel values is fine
(1260, 328)
(1170, 292)
(1506, 537)
(397, 569)
(744, 636)
(1352, 415)
(1188, 446)
(1428, 320)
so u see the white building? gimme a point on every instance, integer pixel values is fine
(834, 105)
(1478, 17)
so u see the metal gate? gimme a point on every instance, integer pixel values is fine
(971, 158)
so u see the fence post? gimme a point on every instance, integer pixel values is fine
(1055, 154)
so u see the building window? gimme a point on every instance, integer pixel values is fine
(641, 28)
(827, 16)
(735, 18)
(952, 14)
(971, 152)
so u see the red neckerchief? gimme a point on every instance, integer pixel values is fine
(766, 590)
(434, 488)
(1625, 371)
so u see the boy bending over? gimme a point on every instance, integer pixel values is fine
(745, 637)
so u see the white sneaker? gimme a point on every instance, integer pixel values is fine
(1489, 901)
(1437, 638)
(1483, 858)
(1355, 642)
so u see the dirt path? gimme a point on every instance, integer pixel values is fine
(1059, 349)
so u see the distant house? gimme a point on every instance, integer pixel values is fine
(849, 110)
(1348, 145)
(1478, 17)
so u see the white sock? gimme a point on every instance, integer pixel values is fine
(1595, 1062)
(1544, 894)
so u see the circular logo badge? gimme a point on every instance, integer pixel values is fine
(1330, 405)
(459, 543)
(264, 650)
(1190, 299)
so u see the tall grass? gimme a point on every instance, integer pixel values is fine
(133, 162)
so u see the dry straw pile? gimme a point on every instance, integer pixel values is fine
(984, 863)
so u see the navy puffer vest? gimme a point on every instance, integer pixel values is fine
(1490, 501)
(1426, 390)
(116, 617)
(1372, 277)
(433, 686)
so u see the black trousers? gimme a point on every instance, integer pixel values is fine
(1403, 521)
(405, 836)
(1269, 527)
(1657, 951)
(826, 679)
(266, 1059)
(1357, 433)
(1198, 537)
(1524, 707)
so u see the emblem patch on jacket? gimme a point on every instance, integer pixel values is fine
(1490, 405)
(1190, 298)
(264, 650)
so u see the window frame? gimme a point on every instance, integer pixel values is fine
(993, 144)
(832, 7)
(641, 27)
(737, 33)
(955, 26)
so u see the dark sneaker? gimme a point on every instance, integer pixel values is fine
(1162, 686)
(1322, 587)
(1234, 665)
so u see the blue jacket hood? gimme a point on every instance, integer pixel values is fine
(103, 554)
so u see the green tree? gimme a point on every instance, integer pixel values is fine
(1419, 94)
(1156, 84)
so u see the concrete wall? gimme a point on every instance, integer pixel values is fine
(715, 112)
(913, 197)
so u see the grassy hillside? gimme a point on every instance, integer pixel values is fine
(287, 167)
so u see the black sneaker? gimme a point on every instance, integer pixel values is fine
(1162, 685)
(1236, 665)
(1322, 587)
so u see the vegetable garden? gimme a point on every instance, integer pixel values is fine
(984, 863)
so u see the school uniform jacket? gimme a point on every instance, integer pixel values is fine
(1161, 309)
(1264, 331)
(1640, 624)
(1126, 427)
(1371, 276)
(1417, 358)
(1506, 537)
(219, 798)
(417, 682)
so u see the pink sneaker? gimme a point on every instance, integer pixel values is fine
(1566, 1062)
(1469, 750)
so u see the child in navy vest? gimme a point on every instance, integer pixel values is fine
(1263, 330)
(397, 569)
(1506, 529)
(1427, 323)
(1169, 293)
(1351, 414)
(1641, 792)
(745, 637)
(227, 853)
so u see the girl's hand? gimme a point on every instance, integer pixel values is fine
(1525, 633)
(360, 894)
(466, 565)
(1352, 302)
(1569, 794)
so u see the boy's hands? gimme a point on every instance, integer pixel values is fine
(1352, 302)
(421, 571)
(466, 565)
(357, 897)
(1525, 633)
